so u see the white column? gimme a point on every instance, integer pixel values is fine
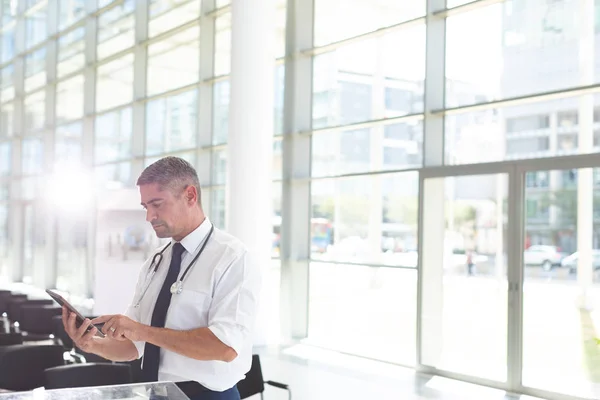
(250, 148)
(585, 180)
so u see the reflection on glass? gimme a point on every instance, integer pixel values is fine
(371, 79)
(68, 143)
(6, 119)
(511, 37)
(338, 20)
(465, 297)
(69, 12)
(7, 88)
(386, 332)
(168, 14)
(171, 123)
(562, 281)
(217, 208)
(114, 176)
(342, 229)
(116, 29)
(32, 156)
(221, 98)
(5, 159)
(35, 106)
(36, 27)
(114, 84)
(71, 55)
(219, 167)
(113, 136)
(223, 44)
(174, 62)
(35, 73)
(69, 99)
(534, 130)
(7, 45)
(384, 147)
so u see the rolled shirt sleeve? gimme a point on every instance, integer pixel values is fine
(234, 307)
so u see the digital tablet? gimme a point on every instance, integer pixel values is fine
(79, 318)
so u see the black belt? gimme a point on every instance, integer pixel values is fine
(191, 388)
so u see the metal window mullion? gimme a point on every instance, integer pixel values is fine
(433, 131)
(296, 195)
(205, 96)
(140, 63)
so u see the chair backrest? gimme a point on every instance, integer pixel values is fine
(9, 339)
(15, 306)
(22, 366)
(253, 383)
(89, 374)
(60, 333)
(37, 318)
(6, 297)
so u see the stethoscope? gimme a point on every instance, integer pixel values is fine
(177, 286)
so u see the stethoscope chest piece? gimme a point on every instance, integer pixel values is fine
(177, 287)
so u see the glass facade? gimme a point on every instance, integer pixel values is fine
(434, 150)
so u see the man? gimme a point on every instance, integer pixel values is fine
(192, 313)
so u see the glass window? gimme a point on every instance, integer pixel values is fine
(217, 208)
(168, 14)
(114, 84)
(219, 167)
(68, 144)
(71, 57)
(8, 43)
(7, 88)
(5, 242)
(278, 160)
(69, 99)
(114, 176)
(8, 10)
(349, 84)
(222, 3)
(171, 123)
(280, 25)
(520, 132)
(387, 235)
(34, 241)
(189, 156)
(70, 11)
(5, 159)
(379, 148)
(223, 44)
(6, 119)
(496, 63)
(35, 69)
(35, 111)
(71, 251)
(32, 156)
(116, 29)
(220, 112)
(279, 98)
(113, 136)
(36, 27)
(174, 62)
(337, 20)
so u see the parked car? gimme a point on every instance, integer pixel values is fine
(571, 261)
(544, 256)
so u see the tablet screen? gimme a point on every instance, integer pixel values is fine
(79, 318)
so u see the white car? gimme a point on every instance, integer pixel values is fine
(545, 256)
(571, 261)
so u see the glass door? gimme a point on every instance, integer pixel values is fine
(464, 285)
(561, 281)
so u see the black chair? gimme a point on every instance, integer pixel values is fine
(22, 366)
(15, 307)
(36, 321)
(253, 383)
(9, 339)
(84, 375)
(74, 353)
(5, 298)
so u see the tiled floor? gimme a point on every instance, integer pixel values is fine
(315, 374)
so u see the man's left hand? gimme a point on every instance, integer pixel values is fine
(119, 327)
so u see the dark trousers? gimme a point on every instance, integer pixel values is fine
(229, 394)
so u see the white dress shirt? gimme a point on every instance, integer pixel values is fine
(220, 291)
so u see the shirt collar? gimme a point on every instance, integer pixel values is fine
(191, 242)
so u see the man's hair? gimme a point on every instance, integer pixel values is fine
(171, 173)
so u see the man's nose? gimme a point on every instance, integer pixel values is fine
(150, 216)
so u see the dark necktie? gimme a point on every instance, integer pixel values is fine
(159, 315)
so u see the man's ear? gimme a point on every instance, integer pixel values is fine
(191, 193)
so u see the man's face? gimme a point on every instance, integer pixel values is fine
(166, 211)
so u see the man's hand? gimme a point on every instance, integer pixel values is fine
(120, 327)
(81, 338)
